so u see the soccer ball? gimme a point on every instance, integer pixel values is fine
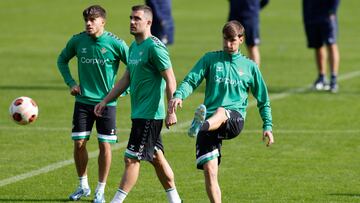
(23, 110)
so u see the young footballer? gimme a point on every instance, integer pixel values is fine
(229, 77)
(98, 53)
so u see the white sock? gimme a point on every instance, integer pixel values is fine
(173, 195)
(119, 196)
(100, 187)
(83, 182)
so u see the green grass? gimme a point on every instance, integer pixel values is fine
(317, 134)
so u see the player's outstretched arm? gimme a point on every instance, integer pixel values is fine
(269, 136)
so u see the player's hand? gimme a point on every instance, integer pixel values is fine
(99, 109)
(173, 104)
(268, 135)
(170, 120)
(75, 90)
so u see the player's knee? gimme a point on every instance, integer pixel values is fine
(211, 175)
(79, 145)
(210, 170)
(104, 147)
(158, 159)
(130, 162)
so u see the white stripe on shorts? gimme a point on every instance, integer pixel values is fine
(80, 134)
(131, 153)
(214, 153)
(107, 137)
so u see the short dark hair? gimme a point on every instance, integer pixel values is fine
(94, 11)
(147, 10)
(232, 29)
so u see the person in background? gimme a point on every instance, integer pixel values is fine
(163, 21)
(321, 28)
(247, 13)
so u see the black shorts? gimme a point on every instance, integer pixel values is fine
(84, 118)
(145, 139)
(208, 144)
(318, 34)
(250, 23)
(252, 36)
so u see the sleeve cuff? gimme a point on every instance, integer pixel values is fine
(177, 95)
(267, 128)
(71, 83)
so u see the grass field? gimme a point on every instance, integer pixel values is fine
(317, 134)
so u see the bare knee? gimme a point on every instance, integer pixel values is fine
(211, 170)
(159, 160)
(130, 162)
(80, 145)
(104, 147)
(210, 173)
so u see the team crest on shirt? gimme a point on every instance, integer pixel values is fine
(140, 53)
(241, 73)
(83, 50)
(219, 68)
(103, 50)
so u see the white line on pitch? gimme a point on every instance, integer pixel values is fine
(53, 167)
(282, 131)
(93, 154)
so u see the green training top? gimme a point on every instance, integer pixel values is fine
(228, 80)
(98, 62)
(146, 61)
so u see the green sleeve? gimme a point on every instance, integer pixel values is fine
(192, 80)
(124, 52)
(63, 63)
(260, 93)
(160, 57)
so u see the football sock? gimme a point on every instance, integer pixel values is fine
(321, 77)
(173, 195)
(100, 187)
(333, 78)
(205, 126)
(84, 182)
(120, 196)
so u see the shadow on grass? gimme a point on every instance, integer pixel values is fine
(41, 200)
(346, 194)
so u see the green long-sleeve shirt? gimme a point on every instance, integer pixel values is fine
(229, 77)
(98, 63)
